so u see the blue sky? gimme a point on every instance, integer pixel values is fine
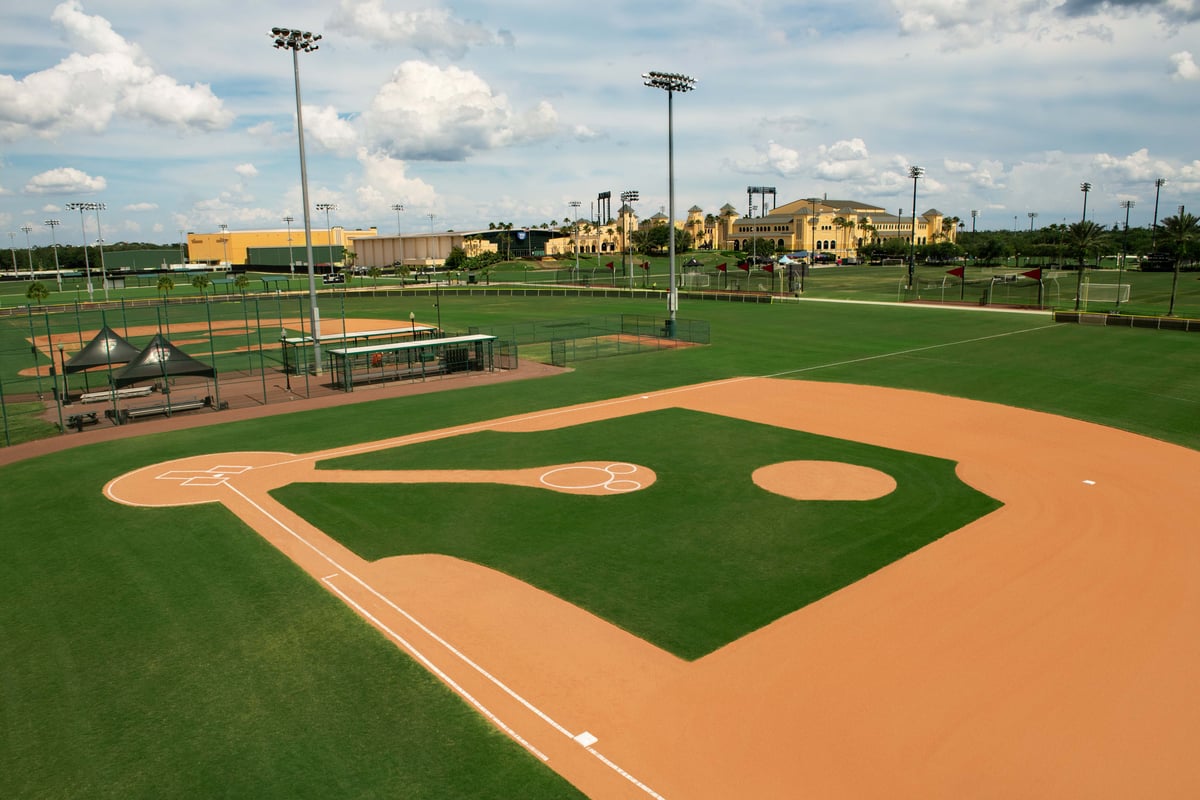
(182, 116)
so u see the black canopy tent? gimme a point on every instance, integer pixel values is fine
(105, 349)
(160, 360)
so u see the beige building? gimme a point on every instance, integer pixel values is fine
(839, 227)
(230, 247)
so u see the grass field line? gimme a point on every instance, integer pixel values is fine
(912, 350)
(454, 686)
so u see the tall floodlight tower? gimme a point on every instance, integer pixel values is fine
(670, 82)
(575, 204)
(83, 208)
(298, 41)
(628, 197)
(914, 173)
(52, 224)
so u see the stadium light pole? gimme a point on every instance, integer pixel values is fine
(914, 173)
(974, 215)
(182, 257)
(327, 207)
(52, 224)
(297, 41)
(398, 207)
(224, 244)
(28, 247)
(1085, 187)
(627, 197)
(1158, 184)
(575, 204)
(670, 82)
(1125, 204)
(98, 207)
(288, 220)
(1032, 216)
(83, 208)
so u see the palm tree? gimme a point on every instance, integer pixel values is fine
(1181, 233)
(38, 292)
(1083, 237)
(840, 223)
(165, 285)
(241, 282)
(374, 273)
(201, 282)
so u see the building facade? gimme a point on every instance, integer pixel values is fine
(231, 247)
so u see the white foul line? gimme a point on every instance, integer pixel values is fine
(429, 664)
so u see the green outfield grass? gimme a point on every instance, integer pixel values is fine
(171, 653)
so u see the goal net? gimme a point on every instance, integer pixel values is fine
(1103, 293)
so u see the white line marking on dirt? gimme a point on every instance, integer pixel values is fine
(429, 665)
(427, 631)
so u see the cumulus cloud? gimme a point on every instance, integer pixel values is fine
(108, 76)
(1137, 166)
(956, 167)
(65, 180)
(969, 21)
(246, 170)
(427, 30)
(1171, 10)
(324, 128)
(386, 181)
(427, 112)
(844, 160)
(1183, 67)
(140, 207)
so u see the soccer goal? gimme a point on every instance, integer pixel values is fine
(1105, 293)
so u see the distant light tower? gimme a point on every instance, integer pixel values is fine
(974, 215)
(12, 248)
(98, 207)
(288, 220)
(670, 82)
(327, 207)
(1032, 216)
(83, 208)
(1085, 187)
(575, 204)
(182, 256)
(224, 245)
(1125, 204)
(1158, 184)
(629, 196)
(297, 41)
(398, 207)
(52, 224)
(432, 217)
(914, 173)
(28, 247)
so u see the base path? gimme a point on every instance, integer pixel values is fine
(1048, 649)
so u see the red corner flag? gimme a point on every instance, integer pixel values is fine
(744, 265)
(769, 266)
(957, 271)
(1036, 274)
(646, 265)
(722, 267)
(609, 265)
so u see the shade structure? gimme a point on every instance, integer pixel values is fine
(105, 349)
(160, 359)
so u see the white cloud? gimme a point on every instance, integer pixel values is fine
(1137, 166)
(385, 182)
(246, 170)
(427, 30)
(427, 112)
(956, 167)
(323, 127)
(65, 180)
(1183, 67)
(140, 207)
(87, 89)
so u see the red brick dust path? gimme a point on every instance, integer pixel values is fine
(1048, 649)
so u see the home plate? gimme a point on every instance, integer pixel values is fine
(586, 739)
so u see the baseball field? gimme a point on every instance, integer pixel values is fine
(841, 551)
